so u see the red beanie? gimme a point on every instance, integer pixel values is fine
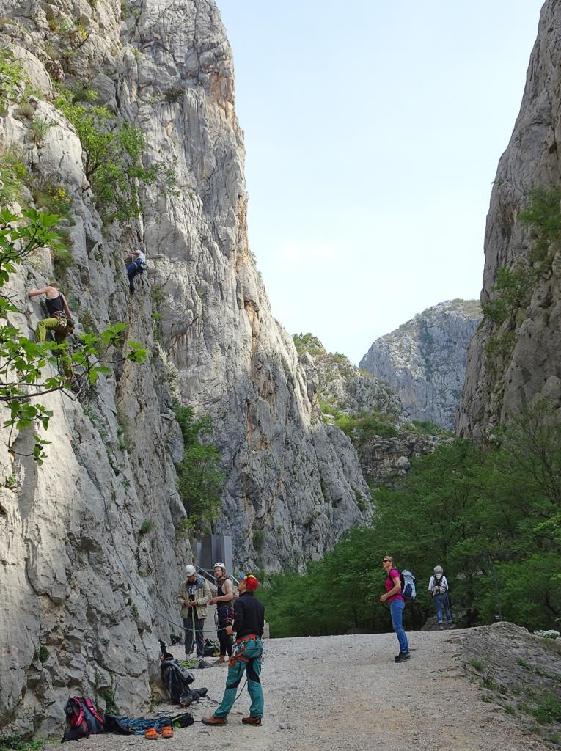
(251, 583)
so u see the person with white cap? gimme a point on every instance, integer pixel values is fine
(438, 587)
(224, 610)
(194, 596)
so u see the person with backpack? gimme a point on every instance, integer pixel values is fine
(136, 265)
(438, 587)
(394, 598)
(59, 318)
(194, 596)
(249, 620)
(224, 610)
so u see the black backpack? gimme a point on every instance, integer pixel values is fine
(175, 679)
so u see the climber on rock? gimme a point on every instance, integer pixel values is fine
(59, 319)
(136, 264)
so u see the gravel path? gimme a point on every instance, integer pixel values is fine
(345, 693)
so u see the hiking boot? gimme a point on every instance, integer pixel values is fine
(251, 720)
(151, 734)
(167, 731)
(402, 656)
(202, 664)
(214, 720)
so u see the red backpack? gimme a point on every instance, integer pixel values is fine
(82, 718)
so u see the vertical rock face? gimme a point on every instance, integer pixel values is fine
(424, 360)
(512, 363)
(90, 550)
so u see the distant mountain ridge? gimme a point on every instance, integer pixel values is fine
(424, 360)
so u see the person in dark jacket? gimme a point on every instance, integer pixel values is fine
(249, 619)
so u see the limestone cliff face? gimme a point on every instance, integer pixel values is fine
(512, 363)
(369, 411)
(424, 360)
(88, 587)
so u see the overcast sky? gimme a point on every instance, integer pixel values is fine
(373, 129)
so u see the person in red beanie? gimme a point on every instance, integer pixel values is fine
(249, 619)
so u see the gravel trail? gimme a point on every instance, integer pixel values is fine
(345, 693)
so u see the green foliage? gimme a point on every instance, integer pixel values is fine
(308, 343)
(512, 290)
(43, 654)
(366, 427)
(13, 80)
(258, 539)
(547, 709)
(113, 156)
(23, 361)
(20, 743)
(543, 216)
(490, 516)
(200, 480)
(39, 128)
(13, 176)
(146, 526)
(426, 427)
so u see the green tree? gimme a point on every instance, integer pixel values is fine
(30, 369)
(114, 152)
(490, 515)
(200, 479)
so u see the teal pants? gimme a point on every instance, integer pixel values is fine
(247, 660)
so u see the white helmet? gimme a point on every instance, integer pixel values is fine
(438, 569)
(190, 570)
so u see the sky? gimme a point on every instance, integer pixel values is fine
(373, 129)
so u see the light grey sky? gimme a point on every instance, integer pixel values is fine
(373, 129)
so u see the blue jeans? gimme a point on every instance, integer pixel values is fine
(396, 609)
(247, 659)
(442, 603)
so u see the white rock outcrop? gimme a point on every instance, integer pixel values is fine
(424, 360)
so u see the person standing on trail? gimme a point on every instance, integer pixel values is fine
(59, 319)
(224, 610)
(249, 619)
(438, 587)
(396, 601)
(194, 596)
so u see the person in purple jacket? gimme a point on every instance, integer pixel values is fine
(396, 601)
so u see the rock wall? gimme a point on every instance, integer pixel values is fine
(88, 587)
(370, 412)
(512, 364)
(424, 360)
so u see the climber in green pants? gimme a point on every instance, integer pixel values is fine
(249, 619)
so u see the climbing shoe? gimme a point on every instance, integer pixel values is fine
(151, 734)
(214, 720)
(402, 656)
(251, 720)
(167, 731)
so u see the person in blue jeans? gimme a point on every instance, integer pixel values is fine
(396, 601)
(249, 619)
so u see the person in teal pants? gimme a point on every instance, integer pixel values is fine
(249, 619)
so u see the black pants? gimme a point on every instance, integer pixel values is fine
(224, 639)
(198, 623)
